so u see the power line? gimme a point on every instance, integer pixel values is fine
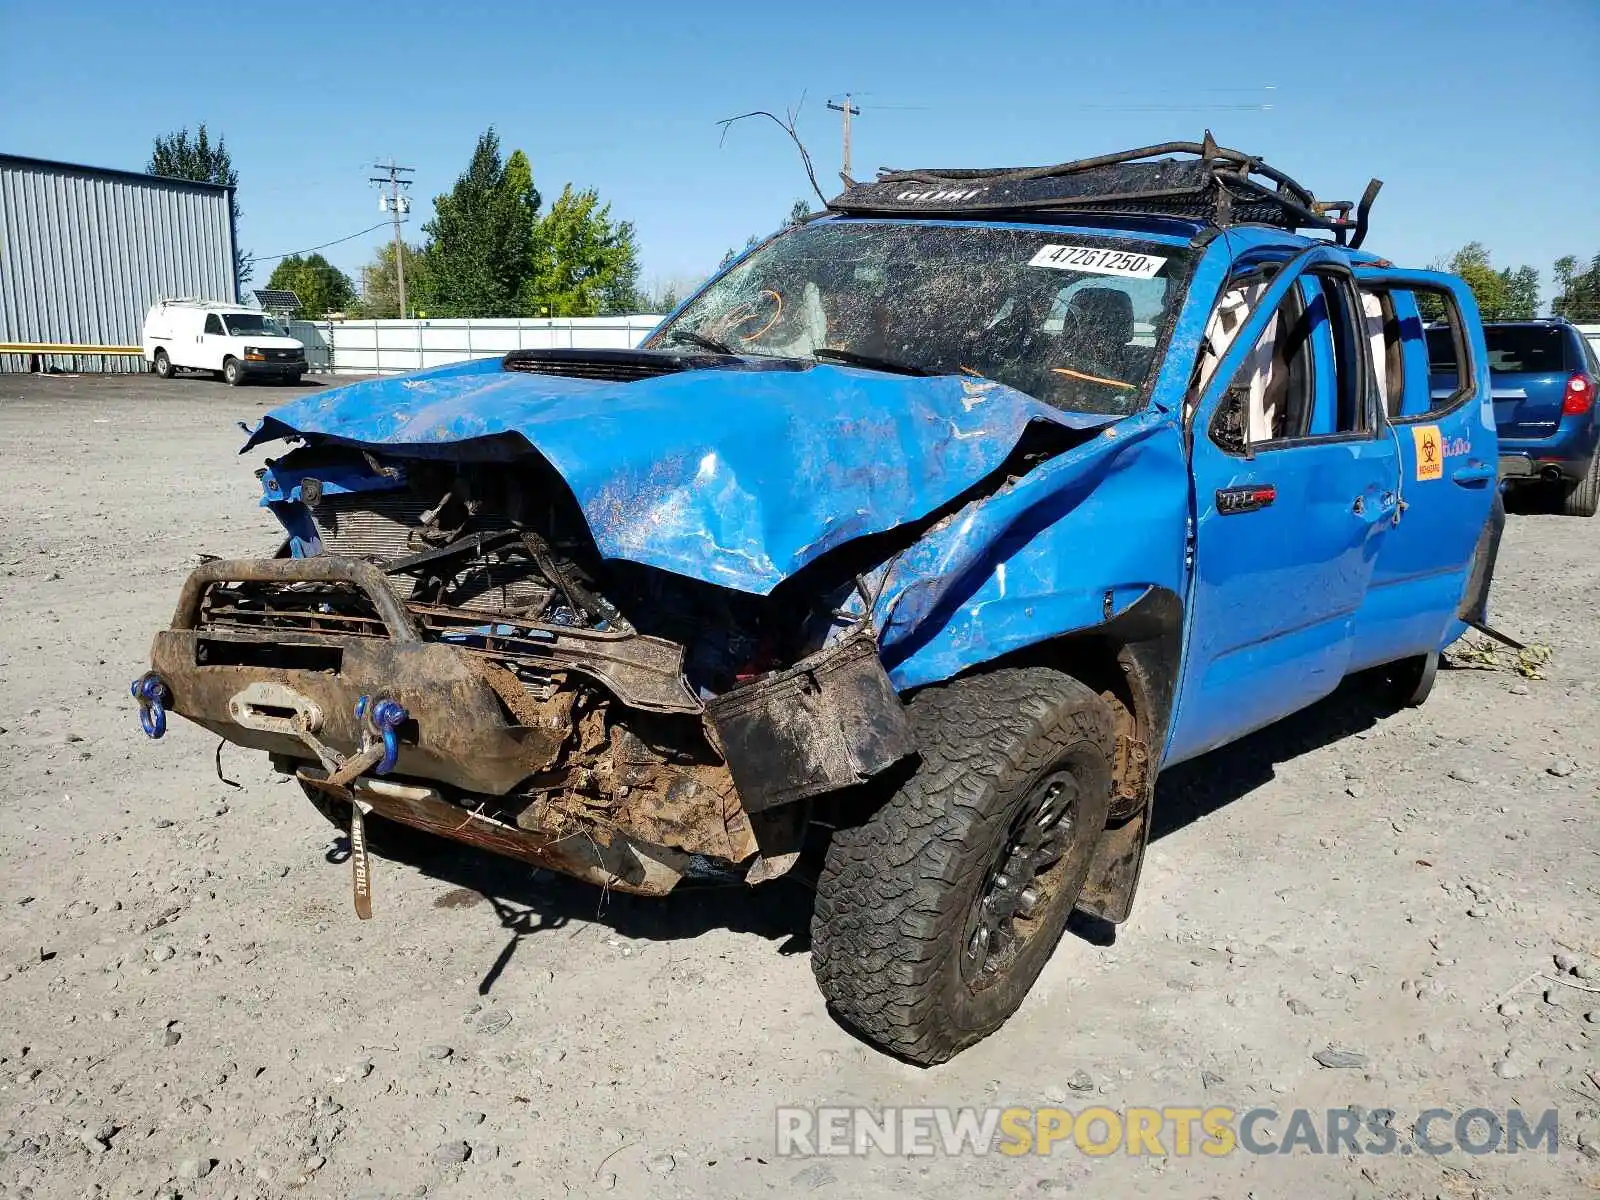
(255, 258)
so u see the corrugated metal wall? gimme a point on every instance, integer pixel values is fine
(85, 252)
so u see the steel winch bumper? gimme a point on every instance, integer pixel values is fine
(462, 721)
(471, 725)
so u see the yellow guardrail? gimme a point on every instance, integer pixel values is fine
(64, 348)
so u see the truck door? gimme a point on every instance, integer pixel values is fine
(1449, 452)
(1294, 488)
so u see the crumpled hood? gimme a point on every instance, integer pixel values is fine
(735, 477)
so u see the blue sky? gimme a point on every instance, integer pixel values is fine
(1479, 115)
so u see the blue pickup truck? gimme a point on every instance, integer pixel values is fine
(922, 538)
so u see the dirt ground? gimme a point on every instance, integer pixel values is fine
(189, 1007)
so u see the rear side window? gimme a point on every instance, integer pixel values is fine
(1441, 350)
(1447, 384)
(1526, 349)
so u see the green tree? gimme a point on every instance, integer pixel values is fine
(799, 212)
(749, 244)
(584, 264)
(380, 289)
(320, 286)
(1471, 263)
(1504, 295)
(481, 238)
(1521, 293)
(180, 156)
(661, 302)
(1579, 298)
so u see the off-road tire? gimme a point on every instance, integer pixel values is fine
(1582, 498)
(163, 365)
(232, 372)
(897, 892)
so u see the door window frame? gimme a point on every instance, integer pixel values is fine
(1332, 278)
(1466, 368)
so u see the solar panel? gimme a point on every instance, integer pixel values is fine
(278, 299)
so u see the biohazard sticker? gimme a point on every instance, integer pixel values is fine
(1430, 451)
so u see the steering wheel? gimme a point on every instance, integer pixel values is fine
(762, 312)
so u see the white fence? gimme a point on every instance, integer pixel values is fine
(391, 347)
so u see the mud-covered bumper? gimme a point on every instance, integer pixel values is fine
(261, 688)
(626, 799)
(615, 860)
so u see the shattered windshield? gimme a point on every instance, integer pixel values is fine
(1067, 318)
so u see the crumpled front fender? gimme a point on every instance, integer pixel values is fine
(1072, 544)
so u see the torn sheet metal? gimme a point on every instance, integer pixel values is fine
(1071, 544)
(738, 478)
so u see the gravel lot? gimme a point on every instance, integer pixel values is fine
(188, 1006)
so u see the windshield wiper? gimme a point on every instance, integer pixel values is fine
(699, 339)
(851, 358)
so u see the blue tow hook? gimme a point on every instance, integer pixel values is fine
(153, 695)
(383, 718)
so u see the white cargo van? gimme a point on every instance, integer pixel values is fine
(226, 339)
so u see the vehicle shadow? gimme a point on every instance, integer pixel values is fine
(527, 901)
(1532, 500)
(1195, 789)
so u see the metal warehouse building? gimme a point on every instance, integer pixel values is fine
(85, 251)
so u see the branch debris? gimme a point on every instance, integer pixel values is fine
(787, 124)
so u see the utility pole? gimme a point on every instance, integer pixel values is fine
(849, 110)
(396, 202)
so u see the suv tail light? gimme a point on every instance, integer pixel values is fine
(1579, 398)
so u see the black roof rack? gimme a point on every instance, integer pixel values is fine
(1225, 187)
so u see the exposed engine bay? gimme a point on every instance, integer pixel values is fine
(612, 720)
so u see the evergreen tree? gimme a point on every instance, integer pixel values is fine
(481, 238)
(179, 156)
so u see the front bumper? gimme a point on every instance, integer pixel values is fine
(281, 368)
(250, 686)
(621, 787)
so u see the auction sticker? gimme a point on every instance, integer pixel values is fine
(1096, 260)
(1430, 452)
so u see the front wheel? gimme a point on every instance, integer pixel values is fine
(163, 365)
(936, 914)
(1582, 498)
(232, 372)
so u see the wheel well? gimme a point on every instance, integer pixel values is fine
(1131, 662)
(1098, 663)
